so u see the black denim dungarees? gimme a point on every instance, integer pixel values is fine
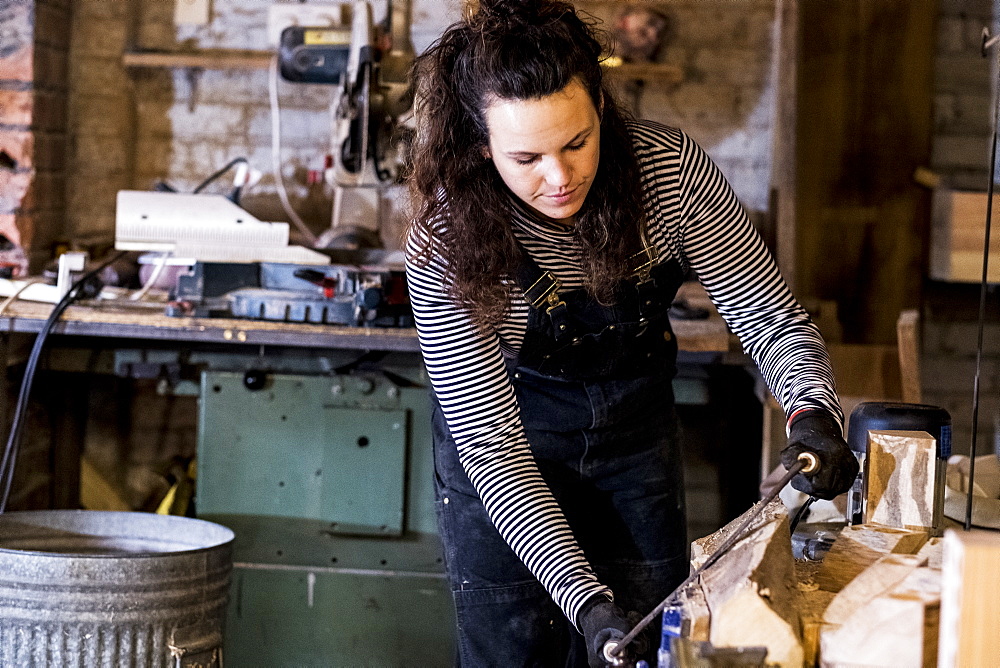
(593, 385)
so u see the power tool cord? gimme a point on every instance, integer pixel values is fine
(987, 43)
(83, 287)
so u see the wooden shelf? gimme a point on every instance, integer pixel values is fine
(209, 59)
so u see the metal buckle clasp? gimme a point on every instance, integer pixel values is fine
(550, 295)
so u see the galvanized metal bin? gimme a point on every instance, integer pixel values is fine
(110, 589)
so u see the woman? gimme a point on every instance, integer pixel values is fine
(549, 240)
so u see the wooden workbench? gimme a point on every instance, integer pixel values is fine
(121, 319)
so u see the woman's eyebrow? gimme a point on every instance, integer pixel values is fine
(582, 134)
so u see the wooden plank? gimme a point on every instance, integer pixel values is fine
(866, 370)
(908, 342)
(96, 491)
(751, 591)
(783, 171)
(857, 60)
(970, 599)
(209, 59)
(900, 473)
(858, 547)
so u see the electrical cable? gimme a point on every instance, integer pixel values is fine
(9, 460)
(229, 165)
(801, 513)
(153, 276)
(982, 286)
(17, 293)
(279, 182)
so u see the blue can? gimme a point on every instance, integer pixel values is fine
(673, 621)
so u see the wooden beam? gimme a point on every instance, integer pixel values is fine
(970, 599)
(209, 59)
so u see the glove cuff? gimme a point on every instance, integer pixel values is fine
(590, 604)
(816, 416)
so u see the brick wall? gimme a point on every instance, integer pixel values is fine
(152, 125)
(179, 126)
(101, 109)
(960, 154)
(725, 99)
(32, 126)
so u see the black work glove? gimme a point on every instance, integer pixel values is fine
(817, 432)
(601, 621)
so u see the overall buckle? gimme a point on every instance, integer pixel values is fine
(544, 291)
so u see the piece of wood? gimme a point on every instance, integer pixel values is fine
(874, 581)
(958, 236)
(869, 371)
(855, 58)
(209, 59)
(908, 342)
(895, 629)
(97, 492)
(751, 591)
(970, 599)
(858, 547)
(813, 602)
(932, 552)
(900, 473)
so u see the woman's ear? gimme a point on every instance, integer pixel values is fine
(485, 150)
(600, 106)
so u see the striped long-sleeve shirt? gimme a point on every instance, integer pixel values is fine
(692, 216)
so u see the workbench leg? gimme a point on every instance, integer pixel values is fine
(67, 397)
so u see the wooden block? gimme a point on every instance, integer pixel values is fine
(888, 617)
(970, 599)
(932, 552)
(872, 582)
(958, 233)
(751, 591)
(892, 631)
(858, 547)
(900, 473)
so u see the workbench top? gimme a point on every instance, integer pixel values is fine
(123, 319)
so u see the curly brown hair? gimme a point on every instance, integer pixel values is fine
(512, 50)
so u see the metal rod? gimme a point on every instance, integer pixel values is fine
(734, 537)
(987, 43)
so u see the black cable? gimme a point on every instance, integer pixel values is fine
(76, 291)
(801, 514)
(232, 163)
(982, 296)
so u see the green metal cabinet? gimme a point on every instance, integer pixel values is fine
(327, 482)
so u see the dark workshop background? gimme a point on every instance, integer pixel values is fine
(819, 113)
